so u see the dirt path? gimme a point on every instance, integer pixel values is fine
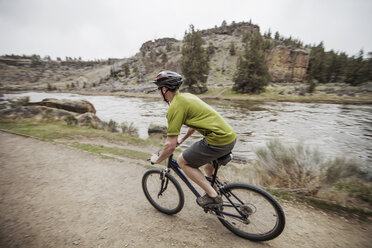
(55, 196)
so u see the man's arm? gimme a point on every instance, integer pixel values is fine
(168, 149)
(190, 131)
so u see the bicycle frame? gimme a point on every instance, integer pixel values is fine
(175, 167)
(172, 164)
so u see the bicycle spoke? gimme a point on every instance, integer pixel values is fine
(251, 213)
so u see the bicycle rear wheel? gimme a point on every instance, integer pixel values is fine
(251, 212)
(163, 191)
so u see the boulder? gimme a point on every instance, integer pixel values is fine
(37, 112)
(157, 129)
(79, 106)
(89, 119)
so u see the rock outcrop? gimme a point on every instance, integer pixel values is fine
(236, 29)
(89, 120)
(36, 112)
(287, 65)
(157, 129)
(80, 106)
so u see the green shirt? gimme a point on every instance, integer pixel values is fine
(188, 109)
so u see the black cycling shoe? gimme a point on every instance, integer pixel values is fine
(207, 201)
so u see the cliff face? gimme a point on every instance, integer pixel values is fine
(287, 65)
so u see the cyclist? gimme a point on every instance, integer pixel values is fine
(219, 137)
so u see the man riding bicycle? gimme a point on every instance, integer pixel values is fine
(219, 137)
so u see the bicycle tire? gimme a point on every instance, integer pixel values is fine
(259, 205)
(171, 201)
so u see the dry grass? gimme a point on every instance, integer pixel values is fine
(289, 167)
(302, 170)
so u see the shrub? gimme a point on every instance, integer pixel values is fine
(341, 169)
(129, 129)
(71, 120)
(293, 167)
(312, 86)
(20, 101)
(111, 126)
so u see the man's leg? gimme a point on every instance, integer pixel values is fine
(197, 176)
(209, 170)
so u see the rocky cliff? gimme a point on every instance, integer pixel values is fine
(134, 74)
(287, 65)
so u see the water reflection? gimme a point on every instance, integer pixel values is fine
(332, 128)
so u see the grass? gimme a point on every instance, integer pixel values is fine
(51, 130)
(274, 94)
(103, 151)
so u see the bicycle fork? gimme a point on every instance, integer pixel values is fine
(164, 182)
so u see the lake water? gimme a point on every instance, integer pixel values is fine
(333, 129)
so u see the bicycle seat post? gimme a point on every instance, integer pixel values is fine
(216, 166)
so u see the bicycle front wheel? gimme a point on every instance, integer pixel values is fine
(163, 191)
(251, 212)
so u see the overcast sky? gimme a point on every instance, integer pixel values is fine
(117, 28)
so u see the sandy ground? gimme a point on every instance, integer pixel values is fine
(55, 196)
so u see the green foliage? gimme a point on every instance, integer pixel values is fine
(164, 58)
(70, 120)
(326, 67)
(267, 34)
(357, 70)
(194, 62)
(210, 50)
(111, 126)
(126, 69)
(252, 74)
(20, 101)
(312, 86)
(289, 167)
(232, 49)
(169, 47)
(277, 35)
(129, 129)
(316, 69)
(246, 37)
(341, 169)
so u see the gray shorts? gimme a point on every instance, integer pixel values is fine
(201, 153)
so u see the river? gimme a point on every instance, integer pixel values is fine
(333, 129)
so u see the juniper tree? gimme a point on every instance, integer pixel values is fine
(194, 62)
(252, 73)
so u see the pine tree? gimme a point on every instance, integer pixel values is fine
(277, 35)
(317, 69)
(355, 70)
(194, 62)
(252, 74)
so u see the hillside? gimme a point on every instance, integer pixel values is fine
(30, 73)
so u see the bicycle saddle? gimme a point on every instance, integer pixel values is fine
(224, 159)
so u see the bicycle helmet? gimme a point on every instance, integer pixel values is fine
(168, 79)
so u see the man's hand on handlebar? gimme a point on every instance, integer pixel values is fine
(154, 158)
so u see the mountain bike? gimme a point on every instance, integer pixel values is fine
(247, 211)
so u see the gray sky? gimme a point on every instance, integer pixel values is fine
(117, 28)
